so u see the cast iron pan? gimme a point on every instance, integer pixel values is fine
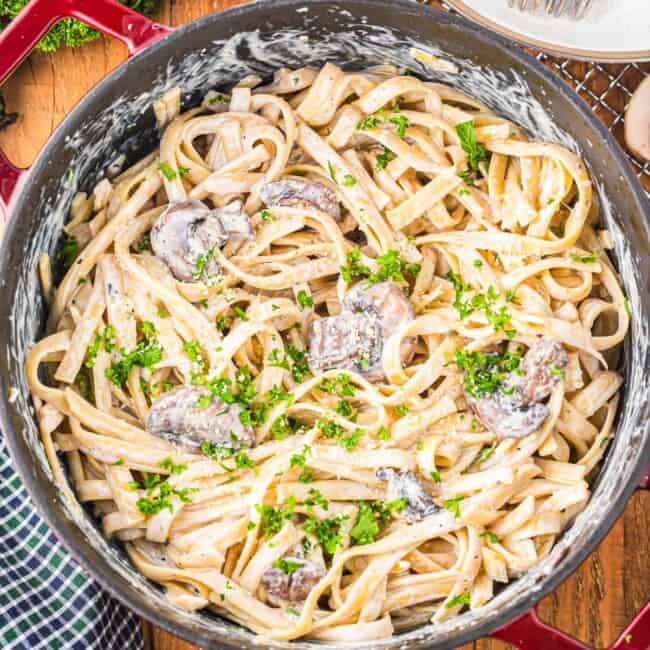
(116, 118)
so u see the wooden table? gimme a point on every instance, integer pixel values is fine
(613, 583)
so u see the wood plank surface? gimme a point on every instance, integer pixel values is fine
(594, 604)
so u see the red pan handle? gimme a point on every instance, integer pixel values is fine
(528, 632)
(33, 22)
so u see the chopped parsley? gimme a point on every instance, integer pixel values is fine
(158, 494)
(390, 267)
(193, 350)
(499, 317)
(383, 159)
(485, 373)
(304, 299)
(299, 366)
(266, 215)
(453, 505)
(467, 135)
(143, 244)
(272, 518)
(287, 566)
(585, 259)
(241, 313)
(484, 453)
(171, 466)
(336, 432)
(202, 262)
(339, 384)
(219, 99)
(402, 410)
(383, 434)
(461, 599)
(371, 519)
(218, 453)
(300, 460)
(349, 181)
(330, 169)
(368, 123)
(491, 537)
(326, 531)
(344, 408)
(284, 427)
(558, 372)
(167, 171)
(401, 123)
(146, 354)
(435, 475)
(68, 252)
(316, 498)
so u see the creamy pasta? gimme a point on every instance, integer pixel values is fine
(338, 358)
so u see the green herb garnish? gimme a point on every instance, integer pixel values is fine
(467, 135)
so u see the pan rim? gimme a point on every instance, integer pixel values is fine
(80, 551)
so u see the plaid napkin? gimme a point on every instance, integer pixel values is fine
(46, 601)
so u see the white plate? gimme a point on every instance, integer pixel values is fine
(613, 30)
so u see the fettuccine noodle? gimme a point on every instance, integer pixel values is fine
(314, 418)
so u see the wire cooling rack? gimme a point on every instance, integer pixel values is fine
(606, 87)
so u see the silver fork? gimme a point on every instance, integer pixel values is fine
(577, 9)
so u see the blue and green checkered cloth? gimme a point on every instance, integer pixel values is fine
(46, 601)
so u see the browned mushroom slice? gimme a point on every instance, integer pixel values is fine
(296, 192)
(518, 408)
(185, 234)
(385, 302)
(354, 340)
(292, 578)
(506, 415)
(176, 417)
(543, 364)
(405, 485)
(347, 341)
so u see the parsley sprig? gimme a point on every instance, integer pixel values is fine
(390, 266)
(372, 517)
(328, 532)
(467, 135)
(105, 337)
(272, 519)
(485, 373)
(498, 317)
(146, 354)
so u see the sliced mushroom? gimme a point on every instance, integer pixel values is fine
(235, 221)
(637, 121)
(347, 341)
(405, 485)
(354, 340)
(296, 585)
(543, 365)
(188, 230)
(176, 417)
(518, 408)
(506, 416)
(296, 192)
